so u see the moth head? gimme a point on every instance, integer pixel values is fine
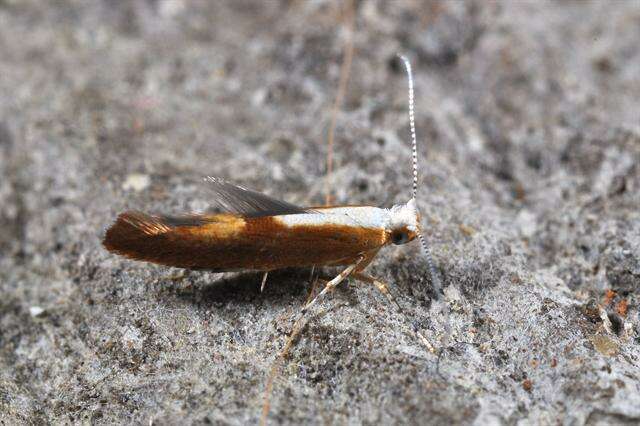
(404, 222)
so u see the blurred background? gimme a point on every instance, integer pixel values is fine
(529, 140)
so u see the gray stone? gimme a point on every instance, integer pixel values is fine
(528, 123)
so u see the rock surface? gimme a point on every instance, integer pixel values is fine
(529, 125)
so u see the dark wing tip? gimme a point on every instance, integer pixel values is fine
(136, 235)
(130, 230)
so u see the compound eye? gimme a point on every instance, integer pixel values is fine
(399, 237)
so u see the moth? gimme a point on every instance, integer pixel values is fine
(256, 232)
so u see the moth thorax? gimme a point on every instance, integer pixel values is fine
(404, 222)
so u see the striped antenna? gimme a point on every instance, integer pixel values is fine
(412, 125)
(433, 273)
(435, 277)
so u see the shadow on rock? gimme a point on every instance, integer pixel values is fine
(244, 287)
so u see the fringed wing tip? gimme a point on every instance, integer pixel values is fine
(142, 236)
(245, 202)
(129, 230)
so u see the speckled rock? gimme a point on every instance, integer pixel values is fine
(528, 118)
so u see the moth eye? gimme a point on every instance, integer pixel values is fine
(399, 237)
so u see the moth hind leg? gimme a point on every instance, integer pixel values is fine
(297, 330)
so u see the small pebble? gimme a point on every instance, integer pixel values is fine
(36, 311)
(136, 182)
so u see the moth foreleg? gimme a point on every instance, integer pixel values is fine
(380, 285)
(384, 289)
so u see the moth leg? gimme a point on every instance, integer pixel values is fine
(368, 257)
(314, 284)
(384, 289)
(332, 284)
(295, 332)
(179, 276)
(264, 281)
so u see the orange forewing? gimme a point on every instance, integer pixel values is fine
(228, 242)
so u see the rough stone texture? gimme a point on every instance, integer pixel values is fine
(529, 129)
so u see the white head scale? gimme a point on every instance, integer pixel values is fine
(405, 216)
(404, 222)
